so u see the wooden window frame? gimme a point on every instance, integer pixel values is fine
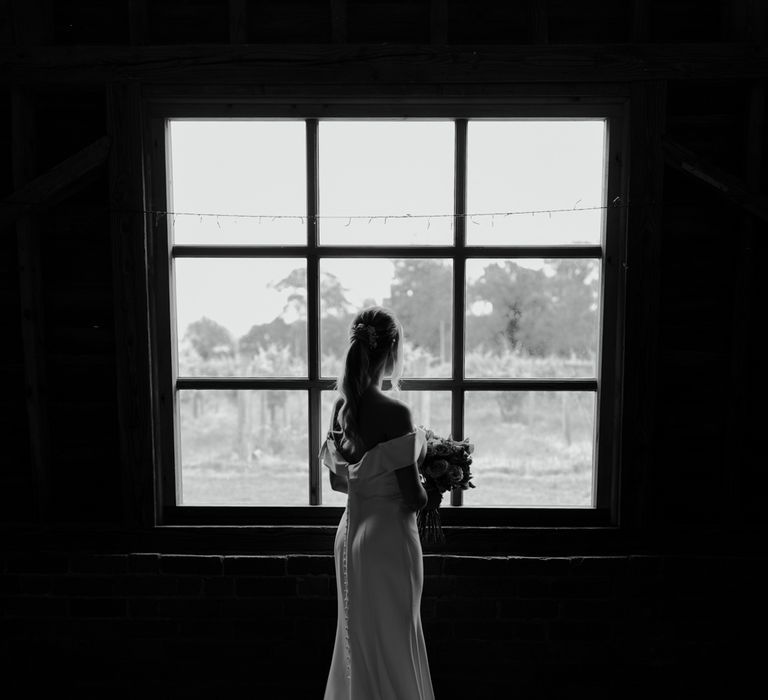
(612, 252)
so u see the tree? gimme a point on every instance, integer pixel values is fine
(420, 296)
(277, 334)
(550, 311)
(574, 306)
(518, 306)
(210, 339)
(280, 333)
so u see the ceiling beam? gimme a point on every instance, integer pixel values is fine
(29, 258)
(731, 187)
(57, 182)
(384, 63)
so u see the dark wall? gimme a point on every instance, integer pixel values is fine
(194, 626)
(108, 612)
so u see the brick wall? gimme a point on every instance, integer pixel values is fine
(517, 626)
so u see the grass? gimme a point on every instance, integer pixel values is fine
(522, 462)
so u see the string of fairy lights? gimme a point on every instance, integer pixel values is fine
(370, 218)
(260, 218)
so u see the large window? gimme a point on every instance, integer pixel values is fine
(493, 236)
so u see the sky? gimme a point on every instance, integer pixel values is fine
(220, 168)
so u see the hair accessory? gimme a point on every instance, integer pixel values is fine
(361, 331)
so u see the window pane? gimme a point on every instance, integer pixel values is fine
(533, 165)
(244, 447)
(532, 318)
(532, 448)
(419, 291)
(241, 317)
(380, 168)
(238, 167)
(431, 409)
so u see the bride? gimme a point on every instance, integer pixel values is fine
(372, 451)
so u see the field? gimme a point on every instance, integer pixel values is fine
(250, 448)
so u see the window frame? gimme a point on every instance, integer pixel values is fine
(611, 251)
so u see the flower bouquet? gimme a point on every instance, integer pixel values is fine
(445, 467)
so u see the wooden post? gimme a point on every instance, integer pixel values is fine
(32, 22)
(739, 481)
(129, 259)
(640, 20)
(31, 297)
(438, 22)
(238, 22)
(639, 475)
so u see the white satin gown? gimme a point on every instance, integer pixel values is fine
(379, 652)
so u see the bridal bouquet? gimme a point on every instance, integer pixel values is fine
(445, 467)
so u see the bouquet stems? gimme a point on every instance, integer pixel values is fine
(430, 529)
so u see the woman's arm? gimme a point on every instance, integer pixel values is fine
(338, 483)
(414, 494)
(408, 478)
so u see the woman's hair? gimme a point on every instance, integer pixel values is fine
(375, 344)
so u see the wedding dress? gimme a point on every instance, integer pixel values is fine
(379, 652)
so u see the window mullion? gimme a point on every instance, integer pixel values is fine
(459, 273)
(313, 314)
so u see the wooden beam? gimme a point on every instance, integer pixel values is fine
(52, 186)
(755, 136)
(757, 16)
(137, 22)
(641, 23)
(339, 21)
(31, 298)
(729, 186)
(238, 22)
(32, 22)
(337, 64)
(639, 467)
(538, 21)
(129, 264)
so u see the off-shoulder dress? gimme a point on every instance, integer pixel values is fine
(379, 651)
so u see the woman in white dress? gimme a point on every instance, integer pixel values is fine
(372, 451)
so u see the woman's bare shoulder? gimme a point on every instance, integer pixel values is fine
(396, 417)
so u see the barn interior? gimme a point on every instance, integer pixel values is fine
(106, 588)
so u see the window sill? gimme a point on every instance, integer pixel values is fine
(477, 530)
(451, 516)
